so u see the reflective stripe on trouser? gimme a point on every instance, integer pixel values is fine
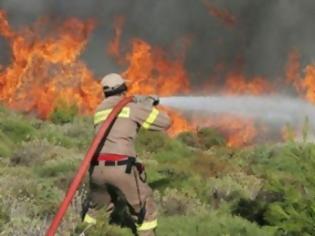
(147, 225)
(89, 219)
(116, 176)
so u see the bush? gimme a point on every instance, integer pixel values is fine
(209, 137)
(56, 168)
(80, 132)
(204, 139)
(34, 152)
(17, 130)
(212, 223)
(151, 141)
(64, 113)
(175, 202)
(4, 215)
(189, 139)
(287, 200)
(5, 145)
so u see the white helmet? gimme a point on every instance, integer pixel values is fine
(111, 82)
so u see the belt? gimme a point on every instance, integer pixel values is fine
(110, 159)
(112, 163)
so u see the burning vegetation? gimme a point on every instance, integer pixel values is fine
(46, 70)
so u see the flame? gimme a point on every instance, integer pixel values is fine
(304, 84)
(222, 15)
(238, 131)
(150, 71)
(179, 123)
(236, 83)
(308, 84)
(288, 133)
(293, 71)
(45, 70)
(113, 47)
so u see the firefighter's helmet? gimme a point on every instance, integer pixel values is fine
(112, 81)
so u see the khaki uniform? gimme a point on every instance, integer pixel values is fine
(120, 140)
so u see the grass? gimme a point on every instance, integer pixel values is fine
(201, 186)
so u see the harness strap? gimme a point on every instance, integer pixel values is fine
(130, 164)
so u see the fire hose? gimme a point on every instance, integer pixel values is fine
(76, 181)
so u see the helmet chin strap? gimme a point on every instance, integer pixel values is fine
(119, 90)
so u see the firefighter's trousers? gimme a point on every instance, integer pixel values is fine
(137, 193)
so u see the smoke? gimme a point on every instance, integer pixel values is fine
(276, 110)
(264, 33)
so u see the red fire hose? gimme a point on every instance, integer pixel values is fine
(85, 165)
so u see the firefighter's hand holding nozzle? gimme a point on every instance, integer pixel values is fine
(153, 100)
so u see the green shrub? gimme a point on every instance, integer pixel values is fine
(235, 186)
(4, 215)
(39, 152)
(175, 202)
(209, 137)
(80, 132)
(6, 145)
(213, 224)
(208, 165)
(188, 138)
(64, 113)
(204, 138)
(287, 200)
(56, 168)
(17, 130)
(151, 141)
(34, 152)
(55, 135)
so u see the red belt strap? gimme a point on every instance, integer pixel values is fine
(111, 157)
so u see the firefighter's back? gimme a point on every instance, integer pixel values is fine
(137, 114)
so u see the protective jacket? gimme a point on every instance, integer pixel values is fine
(139, 113)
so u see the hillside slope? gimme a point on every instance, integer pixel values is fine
(201, 186)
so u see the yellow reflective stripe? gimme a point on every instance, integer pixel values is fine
(151, 118)
(89, 219)
(125, 113)
(102, 115)
(147, 225)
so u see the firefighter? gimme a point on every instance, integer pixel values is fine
(116, 168)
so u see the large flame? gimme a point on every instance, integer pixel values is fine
(304, 84)
(46, 69)
(237, 84)
(150, 71)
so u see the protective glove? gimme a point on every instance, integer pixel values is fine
(139, 98)
(150, 100)
(155, 100)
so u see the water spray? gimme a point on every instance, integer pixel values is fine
(270, 109)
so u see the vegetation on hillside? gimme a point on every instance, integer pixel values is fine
(201, 186)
